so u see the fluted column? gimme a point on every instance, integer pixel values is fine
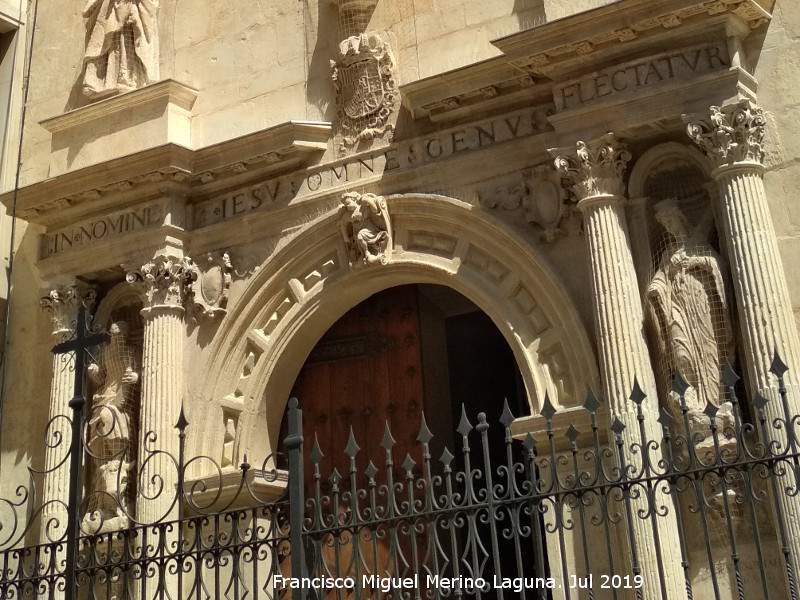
(732, 138)
(595, 170)
(164, 282)
(62, 304)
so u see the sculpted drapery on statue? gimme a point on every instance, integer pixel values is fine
(121, 46)
(111, 431)
(687, 301)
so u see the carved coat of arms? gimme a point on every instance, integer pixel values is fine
(365, 88)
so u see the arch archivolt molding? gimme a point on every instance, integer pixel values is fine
(308, 284)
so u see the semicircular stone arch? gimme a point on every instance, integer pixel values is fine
(304, 287)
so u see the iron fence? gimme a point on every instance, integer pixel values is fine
(550, 515)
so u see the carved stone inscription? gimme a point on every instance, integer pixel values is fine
(367, 166)
(635, 75)
(105, 227)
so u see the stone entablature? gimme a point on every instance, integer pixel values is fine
(277, 149)
(633, 76)
(580, 51)
(207, 201)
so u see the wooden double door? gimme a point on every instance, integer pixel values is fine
(404, 351)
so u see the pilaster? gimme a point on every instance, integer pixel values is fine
(595, 170)
(732, 137)
(62, 304)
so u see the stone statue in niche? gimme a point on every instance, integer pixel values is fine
(121, 46)
(111, 433)
(688, 305)
(366, 228)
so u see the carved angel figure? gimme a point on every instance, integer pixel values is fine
(366, 228)
(688, 308)
(121, 46)
(111, 432)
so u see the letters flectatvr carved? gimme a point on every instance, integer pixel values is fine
(366, 228)
(121, 46)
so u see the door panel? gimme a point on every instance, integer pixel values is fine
(366, 370)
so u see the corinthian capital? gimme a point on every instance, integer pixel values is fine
(63, 303)
(165, 281)
(731, 134)
(594, 168)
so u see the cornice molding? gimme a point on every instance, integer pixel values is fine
(581, 43)
(169, 91)
(277, 149)
(553, 46)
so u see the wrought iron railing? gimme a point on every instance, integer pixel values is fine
(549, 516)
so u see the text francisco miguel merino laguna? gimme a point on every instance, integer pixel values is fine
(386, 584)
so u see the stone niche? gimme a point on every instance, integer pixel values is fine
(146, 118)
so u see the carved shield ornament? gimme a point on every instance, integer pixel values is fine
(362, 88)
(212, 279)
(363, 77)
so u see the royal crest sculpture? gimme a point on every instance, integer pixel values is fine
(366, 92)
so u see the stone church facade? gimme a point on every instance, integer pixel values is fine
(220, 184)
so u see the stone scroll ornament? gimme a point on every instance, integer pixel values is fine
(594, 169)
(121, 46)
(366, 92)
(165, 280)
(62, 304)
(201, 287)
(366, 228)
(685, 297)
(731, 134)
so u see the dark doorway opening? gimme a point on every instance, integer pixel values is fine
(406, 351)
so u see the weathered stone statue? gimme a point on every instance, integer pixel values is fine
(111, 433)
(366, 228)
(688, 308)
(121, 46)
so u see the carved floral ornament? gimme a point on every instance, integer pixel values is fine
(170, 281)
(165, 280)
(733, 133)
(594, 168)
(63, 304)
